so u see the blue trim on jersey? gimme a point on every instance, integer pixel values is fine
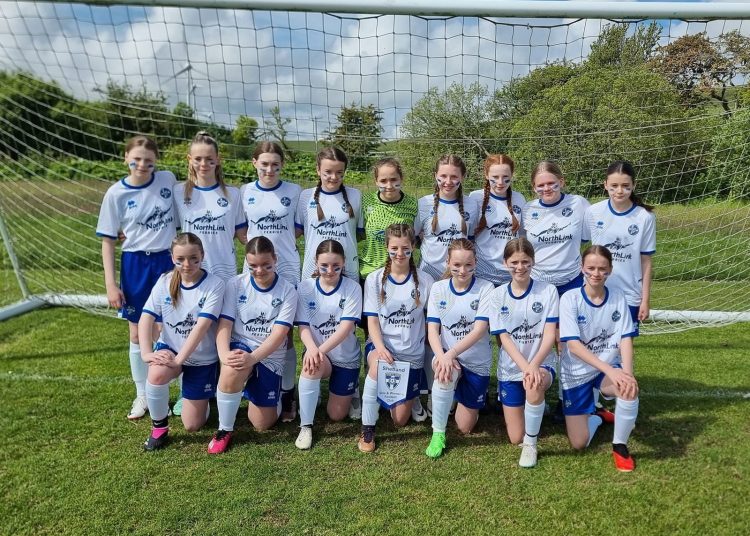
(525, 293)
(206, 188)
(240, 226)
(471, 237)
(163, 346)
(390, 278)
(553, 320)
(648, 252)
(446, 201)
(613, 211)
(207, 315)
(201, 280)
(298, 226)
(484, 318)
(360, 229)
(433, 319)
(300, 323)
(259, 187)
(227, 317)
(256, 287)
(142, 186)
(355, 320)
(499, 331)
(367, 313)
(586, 298)
(322, 191)
(102, 235)
(573, 338)
(157, 317)
(453, 290)
(282, 323)
(323, 292)
(631, 334)
(545, 205)
(499, 198)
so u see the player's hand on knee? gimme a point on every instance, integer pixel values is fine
(385, 355)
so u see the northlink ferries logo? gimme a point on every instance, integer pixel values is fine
(501, 229)
(617, 245)
(270, 222)
(524, 333)
(260, 325)
(401, 317)
(328, 327)
(616, 248)
(600, 342)
(158, 220)
(553, 234)
(185, 327)
(461, 328)
(446, 236)
(329, 228)
(205, 223)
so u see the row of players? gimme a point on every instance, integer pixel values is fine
(245, 324)
(147, 206)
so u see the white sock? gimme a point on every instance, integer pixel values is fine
(308, 398)
(594, 423)
(442, 398)
(428, 372)
(626, 412)
(157, 398)
(370, 402)
(227, 404)
(290, 370)
(532, 415)
(179, 384)
(596, 398)
(138, 369)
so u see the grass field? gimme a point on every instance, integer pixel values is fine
(72, 464)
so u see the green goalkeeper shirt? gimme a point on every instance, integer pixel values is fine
(378, 215)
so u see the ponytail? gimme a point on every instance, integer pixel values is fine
(184, 239)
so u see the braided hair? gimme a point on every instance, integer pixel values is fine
(449, 160)
(493, 160)
(399, 230)
(337, 155)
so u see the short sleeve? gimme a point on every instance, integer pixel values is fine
(432, 307)
(240, 220)
(586, 227)
(418, 219)
(353, 305)
(497, 326)
(301, 317)
(229, 303)
(472, 207)
(214, 300)
(483, 309)
(649, 235)
(300, 215)
(155, 299)
(372, 294)
(108, 225)
(627, 329)
(553, 303)
(569, 318)
(425, 283)
(288, 308)
(358, 209)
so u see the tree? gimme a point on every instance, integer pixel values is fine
(615, 48)
(702, 69)
(276, 128)
(132, 111)
(244, 136)
(358, 133)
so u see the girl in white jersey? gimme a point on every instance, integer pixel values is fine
(258, 313)
(597, 327)
(329, 307)
(499, 217)
(445, 215)
(330, 211)
(457, 320)
(394, 304)
(140, 207)
(523, 313)
(187, 302)
(210, 209)
(270, 206)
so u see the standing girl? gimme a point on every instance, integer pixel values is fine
(330, 211)
(524, 315)
(626, 226)
(457, 319)
(444, 216)
(329, 307)
(597, 327)
(270, 206)
(187, 302)
(139, 206)
(499, 217)
(210, 209)
(258, 313)
(395, 302)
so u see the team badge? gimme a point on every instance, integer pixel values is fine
(342, 302)
(536, 307)
(276, 302)
(392, 379)
(286, 201)
(474, 305)
(345, 207)
(414, 294)
(466, 216)
(166, 193)
(633, 230)
(222, 202)
(516, 209)
(567, 211)
(201, 302)
(616, 316)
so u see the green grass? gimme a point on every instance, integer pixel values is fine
(72, 464)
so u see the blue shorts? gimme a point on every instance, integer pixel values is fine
(263, 387)
(471, 389)
(343, 381)
(576, 282)
(513, 395)
(634, 316)
(199, 382)
(139, 271)
(580, 400)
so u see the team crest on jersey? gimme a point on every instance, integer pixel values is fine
(168, 300)
(567, 211)
(345, 207)
(242, 299)
(504, 310)
(536, 307)
(166, 193)
(442, 304)
(132, 204)
(276, 302)
(633, 230)
(202, 302)
(600, 224)
(380, 236)
(342, 302)
(251, 200)
(414, 294)
(516, 209)
(535, 215)
(581, 319)
(313, 204)
(222, 202)
(392, 379)
(474, 305)
(285, 201)
(616, 316)
(467, 216)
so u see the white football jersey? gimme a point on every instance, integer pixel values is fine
(323, 312)
(144, 213)
(524, 318)
(434, 249)
(202, 300)
(627, 235)
(402, 321)
(214, 218)
(599, 327)
(556, 232)
(456, 313)
(490, 242)
(270, 212)
(336, 225)
(255, 311)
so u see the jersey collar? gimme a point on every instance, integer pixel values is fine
(625, 213)
(586, 298)
(333, 291)
(142, 186)
(522, 296)
(201, 280)
(454, 291)
(562, 196)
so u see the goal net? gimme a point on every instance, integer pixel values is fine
(670, 95)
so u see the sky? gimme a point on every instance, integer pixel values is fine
(309, 64)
